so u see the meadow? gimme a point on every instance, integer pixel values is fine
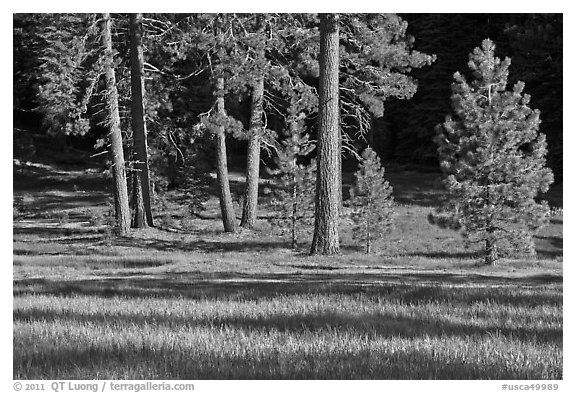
(186, 301)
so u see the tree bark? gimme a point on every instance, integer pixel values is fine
(490, 252)
(368, 240)
(325, 240)
(226, 205)
(340, 184)
(249, 211)
(138, 120)
(138, 216)
(119, 168)
(294, 244)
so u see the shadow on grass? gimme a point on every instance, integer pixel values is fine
(414, 188)
(408, 288)
(375, 325)
(447, 255)
(547, 254)
(51, 232)
(139, 362)
(217, 245)
(67, 178)
(555, 241)
(549, 246)
(227, 245)
(74, 200)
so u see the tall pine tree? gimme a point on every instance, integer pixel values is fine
(141, 178)
(326, 240)
(116, 146)
(493, 159)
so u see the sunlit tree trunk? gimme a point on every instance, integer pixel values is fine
(249, 211)
(294, 243)
(138, 216)
(325, 240)
(119, 168)
(226, 205)
(139, 122)
(340, 184)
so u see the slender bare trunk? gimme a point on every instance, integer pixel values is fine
(249, 211)
(325, 240)
(138, 216)
(294, 212)
(119, 170)
(340, 185)
(138, 119)
(226, 205)
(368, 240)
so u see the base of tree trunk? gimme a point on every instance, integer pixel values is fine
(139, 215)
(325, 245)
(491, 253)
(327, 251)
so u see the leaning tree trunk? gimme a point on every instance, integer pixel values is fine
(139, 122)
(249, 211)
(325, 240)
(119, 168)
(226, 206)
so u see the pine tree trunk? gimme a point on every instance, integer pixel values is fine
(490, 252)
(368, 237)
(138, 119)
(325, 240)
(249, 211)
(115, 194)
(226, 206)
(138, 215)
(340, 184)
(294, 212)
(119, 170)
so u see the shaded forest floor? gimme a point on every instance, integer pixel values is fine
(185, 300)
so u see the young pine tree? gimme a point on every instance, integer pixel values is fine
(371, 201)
(295, 198)
(493, 160)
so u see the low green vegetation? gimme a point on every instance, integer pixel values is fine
(384, 332)
(187, 301)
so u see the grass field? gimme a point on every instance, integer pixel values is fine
(186, 301)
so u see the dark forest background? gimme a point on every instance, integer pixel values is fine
(404, 135)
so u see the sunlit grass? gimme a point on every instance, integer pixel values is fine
(414, 333)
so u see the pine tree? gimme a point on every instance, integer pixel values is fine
(69, 68)
(226, 205)
(377, 58)
(116, 147)
(326, 240)
(371, 201)
(141, 175)
(255, 42)
(493, 160)
(295, 197)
